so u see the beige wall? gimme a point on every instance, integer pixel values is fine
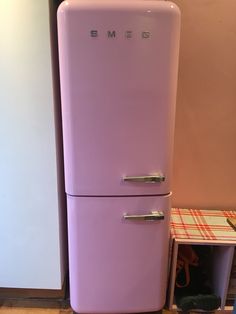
(205, 137)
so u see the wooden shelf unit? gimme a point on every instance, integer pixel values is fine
(220, 266)
(221, 263)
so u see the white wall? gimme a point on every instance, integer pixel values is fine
(29, 207)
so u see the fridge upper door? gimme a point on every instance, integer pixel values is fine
(118, 71)
(117, 265)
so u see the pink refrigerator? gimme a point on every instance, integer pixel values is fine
(118, 72)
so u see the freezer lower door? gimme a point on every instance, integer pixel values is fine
(118, 253)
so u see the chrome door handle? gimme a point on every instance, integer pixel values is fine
(145, 179)
(154, 215)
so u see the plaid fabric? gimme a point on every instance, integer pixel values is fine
(202, 224)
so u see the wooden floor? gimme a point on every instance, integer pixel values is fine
(15, 310)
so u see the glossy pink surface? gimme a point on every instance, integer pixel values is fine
(118, 105)
(118, 94)
(117, 266)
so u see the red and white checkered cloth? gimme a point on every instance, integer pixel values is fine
(202, 224)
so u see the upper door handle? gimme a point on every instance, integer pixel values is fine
(145, 179)
(153, 216)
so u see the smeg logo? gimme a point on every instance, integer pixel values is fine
(112, 34)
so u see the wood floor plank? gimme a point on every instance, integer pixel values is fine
(12, 310)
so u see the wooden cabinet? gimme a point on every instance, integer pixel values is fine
(221, 261)
(231, 295)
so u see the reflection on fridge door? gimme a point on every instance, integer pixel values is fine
(118, 71)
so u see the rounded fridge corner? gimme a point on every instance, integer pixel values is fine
(174, 7)
(63, 7)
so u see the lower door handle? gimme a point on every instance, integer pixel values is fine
(154, 215)
(145, 179)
